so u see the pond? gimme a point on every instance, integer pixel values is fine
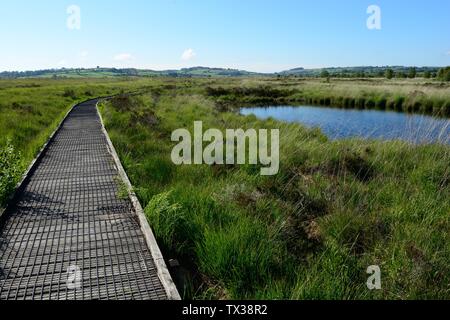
(371, 124)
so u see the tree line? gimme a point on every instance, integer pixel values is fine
(442, 74)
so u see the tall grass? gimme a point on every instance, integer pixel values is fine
(310, 232)
(335, 208)
(408, 95)
(30, 111)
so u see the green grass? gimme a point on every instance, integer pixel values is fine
(335, 208)
(415, 96)
(309, 232)
(32, 109)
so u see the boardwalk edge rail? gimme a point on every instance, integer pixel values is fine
(163, 271)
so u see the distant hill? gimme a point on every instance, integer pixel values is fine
(204, 71)
(113, 72)
(363, 71)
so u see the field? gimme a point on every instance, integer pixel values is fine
(310, 232)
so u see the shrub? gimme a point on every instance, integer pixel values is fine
(9, 171)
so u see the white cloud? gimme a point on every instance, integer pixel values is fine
(84, 54)
(188, 54)
(62, 63)
(123, 57)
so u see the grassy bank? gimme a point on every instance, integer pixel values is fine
(418, 96)
(335, 208)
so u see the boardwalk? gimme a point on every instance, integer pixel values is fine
(70, 221)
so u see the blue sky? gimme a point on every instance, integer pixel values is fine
(256, 35)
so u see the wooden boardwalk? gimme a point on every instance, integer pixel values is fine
(68, 234)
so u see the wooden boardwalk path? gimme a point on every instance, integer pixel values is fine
(69, 235)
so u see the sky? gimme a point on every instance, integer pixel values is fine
(255, 35)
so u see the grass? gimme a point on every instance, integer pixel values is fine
(309, 232)
(335, 208)
(32, 109)
(418, 95)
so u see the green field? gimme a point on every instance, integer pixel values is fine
(310, 232)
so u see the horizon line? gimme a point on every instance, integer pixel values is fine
(223, 68)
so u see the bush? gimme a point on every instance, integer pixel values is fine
(9, 171)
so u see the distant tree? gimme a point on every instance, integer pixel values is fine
(401, 75)
(427, 74)
(444, 74)
(389, 74)
(447, 74)
(412, 73)
(324, 74)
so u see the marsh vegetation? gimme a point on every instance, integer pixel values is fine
(310, 232)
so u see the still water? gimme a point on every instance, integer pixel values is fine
(372, 124)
